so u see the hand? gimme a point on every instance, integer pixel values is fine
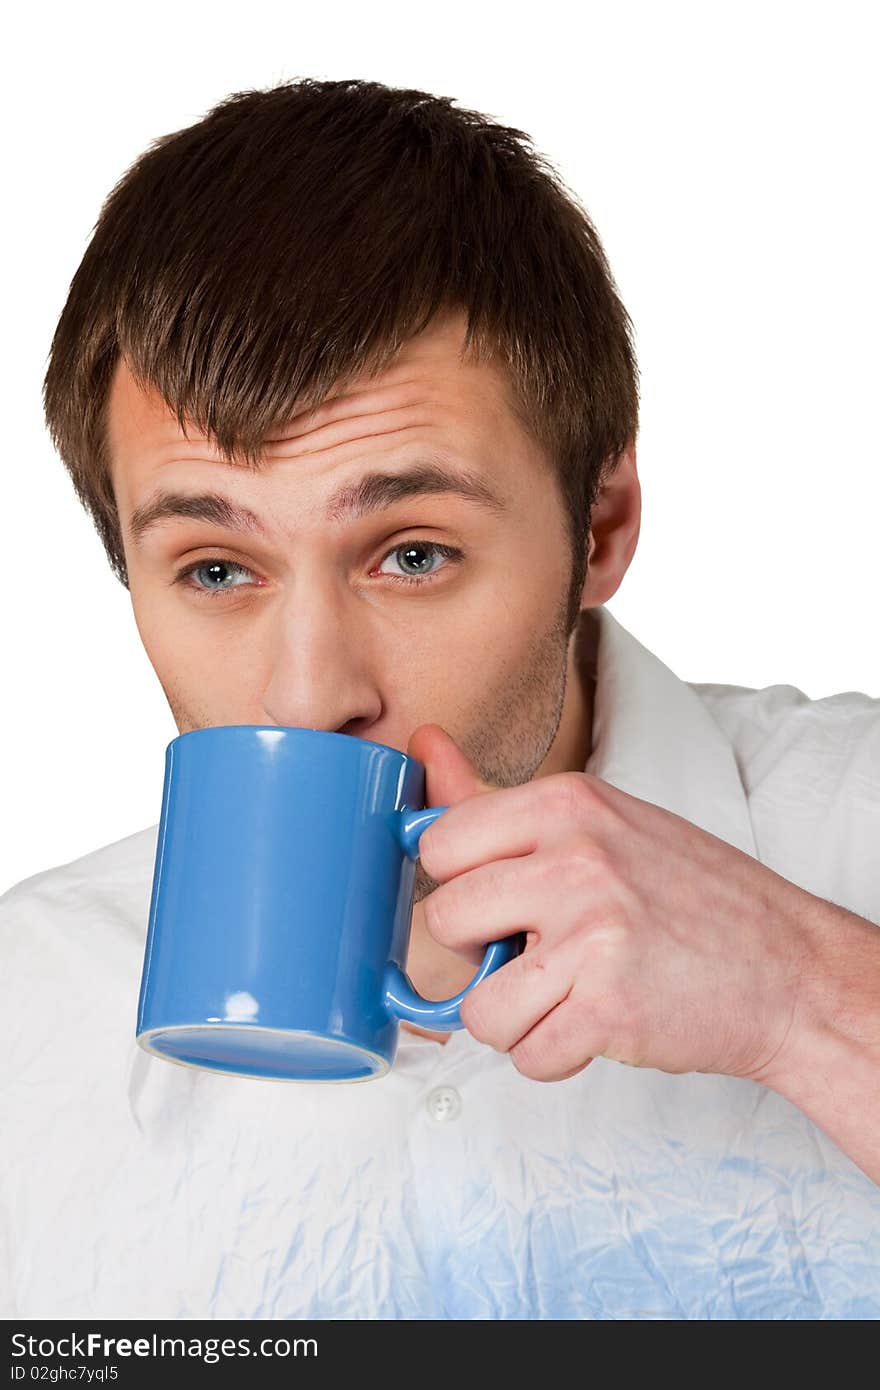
(648, 940)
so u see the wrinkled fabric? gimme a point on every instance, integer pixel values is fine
(134, 1188)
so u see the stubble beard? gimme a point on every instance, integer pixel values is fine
(512, 734)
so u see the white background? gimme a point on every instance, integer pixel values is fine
(728, 156)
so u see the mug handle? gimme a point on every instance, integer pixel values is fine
(401, 999)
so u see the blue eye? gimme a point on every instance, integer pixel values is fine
(215, 564)
(218, 567)
(415, 548)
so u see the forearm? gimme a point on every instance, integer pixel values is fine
(830, 1064)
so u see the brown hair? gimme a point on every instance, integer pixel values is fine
(249, 265)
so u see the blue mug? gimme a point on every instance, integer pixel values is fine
(281, 906)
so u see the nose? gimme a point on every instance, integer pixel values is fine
(321, 674)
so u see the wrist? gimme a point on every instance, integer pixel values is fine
(835, 1027)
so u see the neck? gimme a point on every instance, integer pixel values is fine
(573, 743)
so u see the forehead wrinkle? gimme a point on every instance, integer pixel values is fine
(336, 432)
(202, 448)
(353, 406)
(339, 444)
(180, 450)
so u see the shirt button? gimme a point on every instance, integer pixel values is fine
(443, 1103)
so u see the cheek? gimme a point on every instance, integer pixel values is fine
(487, 633)
(155, 625)
(468, 645)
(185, 648)
(506, 608)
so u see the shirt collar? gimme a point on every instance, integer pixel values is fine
(655, 738)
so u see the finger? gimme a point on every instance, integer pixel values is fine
(558, 1046)
(495, 900)
(505, 823)
(504, 1008)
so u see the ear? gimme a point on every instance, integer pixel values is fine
(614, 530)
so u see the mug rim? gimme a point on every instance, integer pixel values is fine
(293, 729)
(144, 1040)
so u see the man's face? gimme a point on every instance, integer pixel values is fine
(313, 624)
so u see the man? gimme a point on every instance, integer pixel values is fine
(346, 385)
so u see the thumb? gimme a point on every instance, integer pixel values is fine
(450, 776)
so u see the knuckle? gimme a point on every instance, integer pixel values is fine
(567, 793)
(618, 1021)
(578, 868)
(580, 790)
(609, 802)
(610, 946)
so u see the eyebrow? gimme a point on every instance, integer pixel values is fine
(372, 493)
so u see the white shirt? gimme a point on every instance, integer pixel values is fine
(453, 1187)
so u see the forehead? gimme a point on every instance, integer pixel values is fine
(428, 378)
